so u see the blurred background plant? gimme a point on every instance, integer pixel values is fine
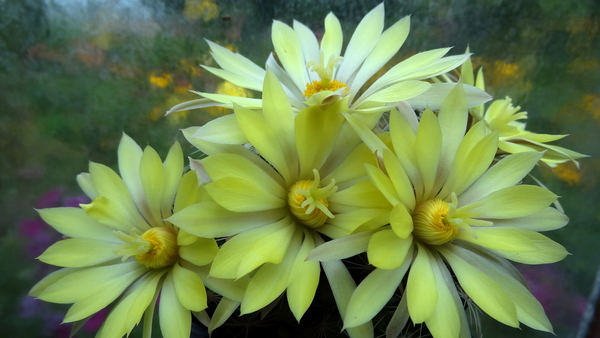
(75, 74)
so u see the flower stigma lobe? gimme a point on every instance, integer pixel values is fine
(308, 201)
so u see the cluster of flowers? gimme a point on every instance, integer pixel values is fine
(409, 168)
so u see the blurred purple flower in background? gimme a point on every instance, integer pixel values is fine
(549, 285)
(38, 236)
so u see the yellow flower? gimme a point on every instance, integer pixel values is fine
(455, 219)
(276, 202)
(314, 73)
(503, 117)
(508, 121)
(162, 80)
(119, 248)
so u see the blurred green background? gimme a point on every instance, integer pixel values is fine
(75, 74)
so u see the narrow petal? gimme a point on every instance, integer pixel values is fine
(421, 289)
(130, 155)
(73, 222)
(210, 220)
(231, 165)
(362, 42)
(529, 309)
(383, 183)
(289, 51)
(173, 167)
(241, 80)
(152, 174)
(78, 252)
(270, 248)
(224, 310)
(362, 195)
(546, 250)
(236, 63)
(126, 314)
(401, 91)
(223, 130)
(232, 253)
(428, 149)
(504, 239)
(102, 293)
(388, 45)
(50, 279)
(434, 97)
(279, 115)
(516, 201)
(308, 41)
(509, 171)
(545, 220)
(265, 140)
(452, 117)
(110, 186)
(228, 288)
(484, 290)
(399, 179)
(331, 44)
(373, 293)
(401, 221)
(316, 131)
(341, 248)
(445, 321)
(304, 279)
(175, 319)
(240, 195)
(271, 280)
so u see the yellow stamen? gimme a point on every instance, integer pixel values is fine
(316, 86)
(155, 248)
(431, 224)
(308, 201)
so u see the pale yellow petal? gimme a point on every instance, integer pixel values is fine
(152, 174)
(189, 288)
(483, 289)
(270, 248)
(201, 252)
(428, 149)
(400, 180)
(505, 239)
(341, 248)
(383, 183)
(515, 201)
(73, 222)
(289, 51)
(545, 220)
(444, 322)
(173, 167)
(265, 140)
(373, 293)
(331, 44)
(507, 172)
(175, 320)
(401, 221)
(545, 251)
(231, 165)
(210, 220)
(386, 251)
(304, 279)
(270, 280)
(362, 42)
(241, 195)
(232, 253)
(127, 313)
(78, 252)
(224, 310)
(421, 290)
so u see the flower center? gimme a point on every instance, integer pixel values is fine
(431, 224)
(325, 72)
(308, 201)
(155, 248)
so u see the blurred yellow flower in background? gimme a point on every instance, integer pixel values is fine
(201, 9)
(227, 88)
(161, 80)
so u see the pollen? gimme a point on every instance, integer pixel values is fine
(156, 248)
(431, 224)
(308, 201)
(317, 86)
